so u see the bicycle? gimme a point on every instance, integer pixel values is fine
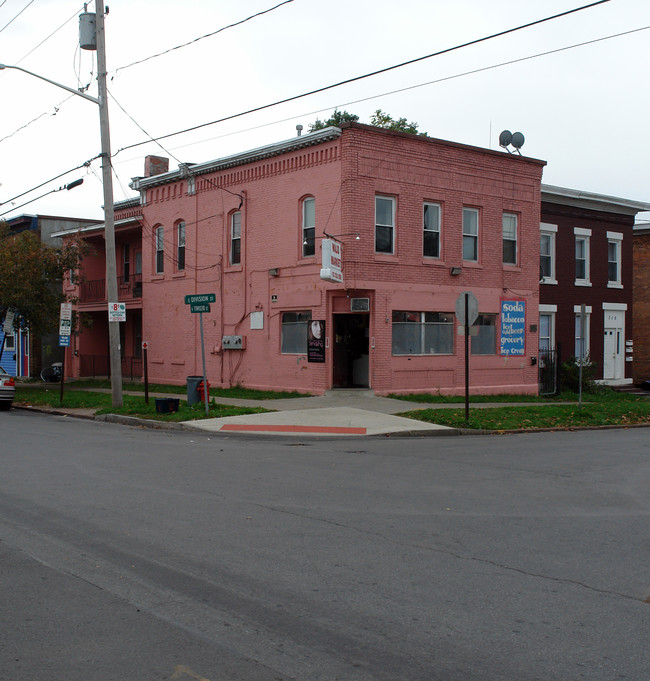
(52, 374)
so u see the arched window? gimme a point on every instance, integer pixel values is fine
(180, 246)
(159, 236)
(308, 227)
(235, 238)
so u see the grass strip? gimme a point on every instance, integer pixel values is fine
(236, 392)
(133, 405)
(606, 413)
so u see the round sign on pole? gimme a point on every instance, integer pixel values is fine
(472, 308)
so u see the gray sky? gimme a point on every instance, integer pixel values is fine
(583, 110)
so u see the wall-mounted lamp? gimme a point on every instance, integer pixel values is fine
(274, 272)
(455, 271)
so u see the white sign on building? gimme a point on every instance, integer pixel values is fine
(332, 261)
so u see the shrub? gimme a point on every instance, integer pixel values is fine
(570, 375)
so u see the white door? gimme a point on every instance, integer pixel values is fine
(614, 342)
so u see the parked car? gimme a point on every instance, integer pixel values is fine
(7, 389)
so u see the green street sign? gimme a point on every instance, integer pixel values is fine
(199, 307)
(201, 298)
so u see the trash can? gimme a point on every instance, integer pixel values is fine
(192, 389)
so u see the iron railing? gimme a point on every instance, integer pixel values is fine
(94, 291)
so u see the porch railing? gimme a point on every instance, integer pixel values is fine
(94, 291)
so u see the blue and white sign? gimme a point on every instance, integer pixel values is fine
(513, 328)
(64, 341)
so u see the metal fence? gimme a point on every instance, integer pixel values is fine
(94, 366)
(548, 371)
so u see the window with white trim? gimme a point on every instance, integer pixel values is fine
(547, 253)
(546, 332)
(509, 221)
(431, 233)
(180, 246)
(384, 224)
(581, 347)
(485, 340)
(582, 238)
(294, 332)
(470, 234)
(159, 234)
(308, 227)
(614, 249)
(235, 238)
(423, 333)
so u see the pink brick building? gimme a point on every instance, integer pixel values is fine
(417, 220)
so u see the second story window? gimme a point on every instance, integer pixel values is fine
(509, 239)
(582, 256)
(431, 237)
(384, 224)
(180, 246)
(470, 234)
(547, 253)
(159, 235)
(126, 263)
(235, 238)
(614, 243)
(308, 227)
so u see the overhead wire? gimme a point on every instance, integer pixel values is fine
(370, 74)
(195, 40)
(17, 15)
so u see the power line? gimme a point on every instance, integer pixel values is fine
(17, 15)
(208, 35)
(371, 74)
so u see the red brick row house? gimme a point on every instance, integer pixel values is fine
(586, 259)
(408, 222)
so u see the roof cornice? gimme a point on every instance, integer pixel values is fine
(592, 201)
(259, 154)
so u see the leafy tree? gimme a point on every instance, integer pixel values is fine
(378, 119)
(335, 119)
(30, 278)
(384, 120)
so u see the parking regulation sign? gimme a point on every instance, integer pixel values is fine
(117, 312)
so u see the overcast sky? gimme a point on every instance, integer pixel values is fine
(584, 110)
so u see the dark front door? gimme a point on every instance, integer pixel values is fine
(351, 350)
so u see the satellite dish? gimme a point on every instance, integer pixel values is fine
(505, 138)
(518, 140)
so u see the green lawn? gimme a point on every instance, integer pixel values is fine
(137, 386)
(598, 409)
(133, 405)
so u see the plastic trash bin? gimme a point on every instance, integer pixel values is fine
(192, 389)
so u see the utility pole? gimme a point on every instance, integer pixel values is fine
(109, 213)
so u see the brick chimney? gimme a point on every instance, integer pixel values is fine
(155, 165)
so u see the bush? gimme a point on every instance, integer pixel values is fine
(570, 375)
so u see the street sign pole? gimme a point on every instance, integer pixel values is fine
(466, 359)
(145, 368)
(205, 380)
(62, 376)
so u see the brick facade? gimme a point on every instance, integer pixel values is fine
(641, 365)
(343, 170)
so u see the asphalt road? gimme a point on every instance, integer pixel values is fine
(128, 553)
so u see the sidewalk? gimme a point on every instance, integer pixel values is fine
(337, 413)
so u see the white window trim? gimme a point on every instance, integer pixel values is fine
(615, 307)
(551, 230)
(437, 231)
(617, 238)
(516, 239)
(577, 309)
(476, 236)
(392, 226)
(551, 311)
(581, 233)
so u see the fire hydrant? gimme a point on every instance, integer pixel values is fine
(199, 389)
